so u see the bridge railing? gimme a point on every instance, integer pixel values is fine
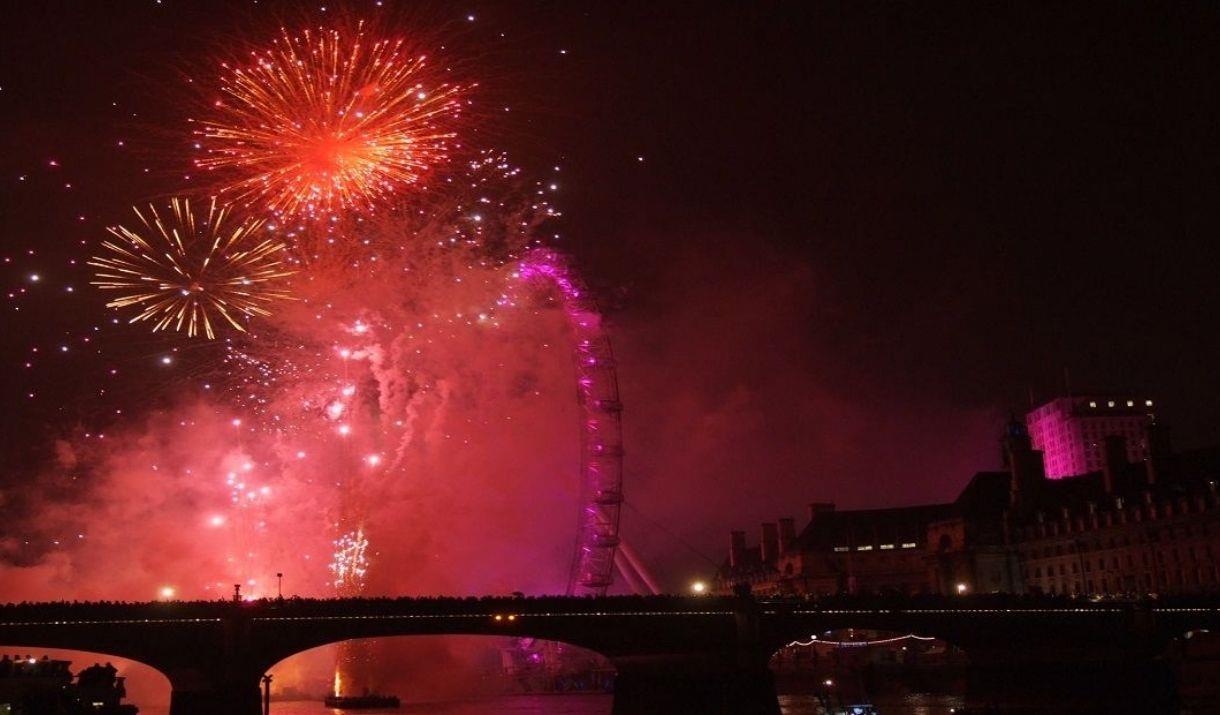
(481, 605)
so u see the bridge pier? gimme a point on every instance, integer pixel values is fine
(662, 685)
(244, 701)
(195, 693)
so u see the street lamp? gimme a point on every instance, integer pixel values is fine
(698, 587)
(279, 585)
(267, 694)
(961, 588)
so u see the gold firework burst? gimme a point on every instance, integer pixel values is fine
(186, 272)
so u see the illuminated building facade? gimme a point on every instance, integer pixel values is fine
(1069, 430)
(1150, 526)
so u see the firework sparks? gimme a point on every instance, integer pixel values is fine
(349, 563)
(322, 122)
(183, 272)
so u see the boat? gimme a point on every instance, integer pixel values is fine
(29, 685)
(366, 701)
(859, 709)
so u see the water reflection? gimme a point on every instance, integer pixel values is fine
(913, 704)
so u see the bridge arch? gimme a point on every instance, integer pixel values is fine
(856, 665)
(864, 634)
(851, 638)
(426, 666)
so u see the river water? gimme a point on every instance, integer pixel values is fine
(594, 705)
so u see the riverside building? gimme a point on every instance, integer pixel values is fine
(1128, 527)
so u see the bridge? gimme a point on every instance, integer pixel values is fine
(672, 654)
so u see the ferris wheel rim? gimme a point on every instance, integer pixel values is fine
(601, 449)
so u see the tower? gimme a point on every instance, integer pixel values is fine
(1025, 465)
(1071, 431)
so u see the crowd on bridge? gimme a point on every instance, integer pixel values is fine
(27, 612)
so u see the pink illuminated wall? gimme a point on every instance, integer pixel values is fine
(1070, 430)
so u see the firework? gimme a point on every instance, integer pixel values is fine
(349, 563)
(322, 122)
(186, 272)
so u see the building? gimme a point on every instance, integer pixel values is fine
(1149, 526)
(837, 552)
(1069, 430)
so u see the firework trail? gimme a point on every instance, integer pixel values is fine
(185, 272)
(323, 122)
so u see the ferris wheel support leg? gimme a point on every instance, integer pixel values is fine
(633, 561)
(624, 569)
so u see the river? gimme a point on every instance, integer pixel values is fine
(593, 705)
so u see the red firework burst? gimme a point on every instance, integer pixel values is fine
(322, 121)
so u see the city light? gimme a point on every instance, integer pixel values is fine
(698, 587)
(961, 588)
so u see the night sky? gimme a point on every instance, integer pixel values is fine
(838, 244)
